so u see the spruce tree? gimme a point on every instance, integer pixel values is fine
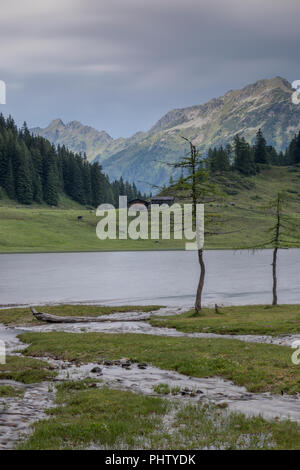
(9, 184)
(260, 148)
(96, 181)
(218, 160)
(50, 188)
(3, 162)
(24, 189)
(122, 187)
(50, 179)
(116, 192)
(87, 183)
(243, 157)
(293, 151)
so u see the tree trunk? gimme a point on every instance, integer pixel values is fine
(47, 317)
(198, 303)
(277, 236)
(274, 265)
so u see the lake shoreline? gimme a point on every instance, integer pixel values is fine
(136, 250)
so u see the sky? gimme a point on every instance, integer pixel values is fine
(120, 65)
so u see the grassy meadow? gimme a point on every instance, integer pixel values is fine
(28, 229)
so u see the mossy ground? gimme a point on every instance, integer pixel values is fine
(248, 320)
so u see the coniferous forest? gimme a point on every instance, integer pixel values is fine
(34, 170)
(246, 159)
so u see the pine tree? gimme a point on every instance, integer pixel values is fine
(293, 151)
(9, 185)
(243, 157)
(3, 162)
(50, 179)
(87, 180)
(77, 191)
(218, 160)
(134, 191)
(24, 189)
(273, 156)
(116, 192)
(50, 188)
(97, 189)
(260, 148)
(128, 191)
(122, 187)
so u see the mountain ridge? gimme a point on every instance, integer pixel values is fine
(142, 158)
(76, 136)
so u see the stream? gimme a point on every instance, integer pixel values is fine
(18, 413)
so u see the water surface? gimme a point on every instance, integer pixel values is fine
(165, 278)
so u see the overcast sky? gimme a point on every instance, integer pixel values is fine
(119, 65)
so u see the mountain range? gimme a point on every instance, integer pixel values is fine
(143, 158)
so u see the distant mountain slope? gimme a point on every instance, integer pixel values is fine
(75, 136)
(265, 104)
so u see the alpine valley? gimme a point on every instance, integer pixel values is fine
(142, 158)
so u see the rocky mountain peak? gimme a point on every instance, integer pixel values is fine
(56, 123)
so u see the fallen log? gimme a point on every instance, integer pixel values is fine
(47, 317)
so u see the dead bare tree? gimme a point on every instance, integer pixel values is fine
(194, 185)
(284, 233)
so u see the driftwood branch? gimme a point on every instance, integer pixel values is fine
(47, 317)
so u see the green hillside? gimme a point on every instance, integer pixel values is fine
(245, 196)
(41, 229)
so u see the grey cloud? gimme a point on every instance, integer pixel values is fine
(138, 58)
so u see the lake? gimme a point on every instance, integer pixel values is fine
(165, 278)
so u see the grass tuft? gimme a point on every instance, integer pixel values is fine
(26, 370)
(7, 391)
